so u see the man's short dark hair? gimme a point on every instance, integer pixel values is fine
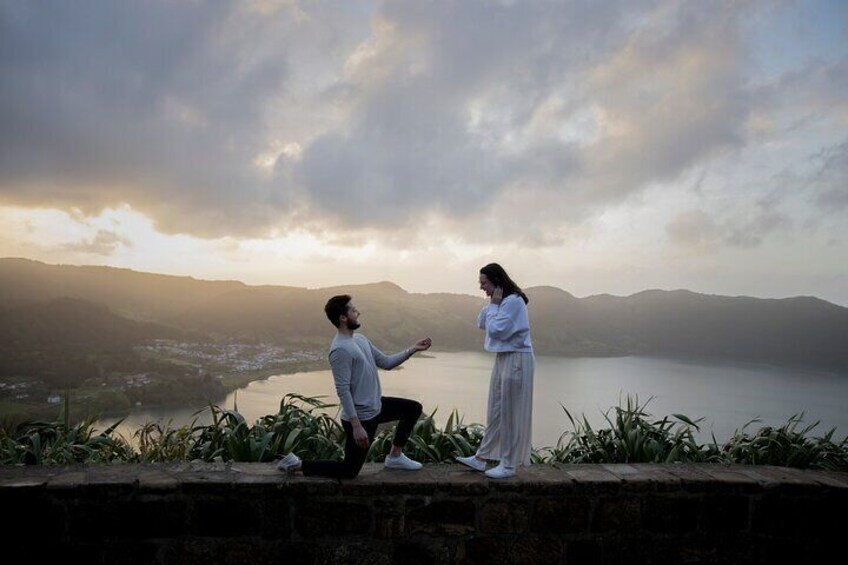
(335, 307)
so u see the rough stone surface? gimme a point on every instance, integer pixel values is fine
(444, 514)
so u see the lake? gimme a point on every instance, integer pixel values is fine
(725, 395)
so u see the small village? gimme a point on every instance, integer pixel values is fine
(231, 357)
(224, 363)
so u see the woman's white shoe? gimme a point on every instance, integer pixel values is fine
(500, 472)
(472, 462)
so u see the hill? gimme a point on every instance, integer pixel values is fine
(66, 340)
(793, 331)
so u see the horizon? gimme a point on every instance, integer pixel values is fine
(602, 149)
(385, 281)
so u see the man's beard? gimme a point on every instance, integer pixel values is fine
(353, 325)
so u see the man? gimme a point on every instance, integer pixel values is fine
(354, 361)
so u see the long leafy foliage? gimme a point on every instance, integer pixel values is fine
(305, 426)
(428, 443)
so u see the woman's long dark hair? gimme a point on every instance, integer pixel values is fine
(497, 275)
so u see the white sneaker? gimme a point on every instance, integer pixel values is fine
(402, 462)
(500, 472)
(289, 464)
(472, 462)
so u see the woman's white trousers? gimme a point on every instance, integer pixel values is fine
(509, 418)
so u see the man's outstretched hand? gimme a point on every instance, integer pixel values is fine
(423, 344)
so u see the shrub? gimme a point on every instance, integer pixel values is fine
(787, 446)
(41, 443)
(302, 425)
(632, 437)
(429, 444)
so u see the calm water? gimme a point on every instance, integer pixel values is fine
(726, 396)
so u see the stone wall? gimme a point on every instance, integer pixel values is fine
(575, 514)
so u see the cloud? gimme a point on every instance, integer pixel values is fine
(104, 243)
(739, 228)
(692, 228)
(504, 121)
(163, 106)
(567, 106)
(752, 231)
(830, 181)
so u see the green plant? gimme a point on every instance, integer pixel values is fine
(158, 444)
(303, 426)
(632, 437)
(427, 443)
(787, 446)
(43, 443)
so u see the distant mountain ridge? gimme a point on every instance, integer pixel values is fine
(793, 331)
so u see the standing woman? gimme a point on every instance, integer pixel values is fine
(510, 411)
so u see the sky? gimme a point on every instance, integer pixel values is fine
(598, 147)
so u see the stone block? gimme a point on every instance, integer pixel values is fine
(330, 518)
(535, 550)
(354, 553)
(390, 527)
(260, 552)
(670, 514)
(227, 516)
(156, 480)
(308, 486)
(546, 480)
(389, 517)
(595, 478)
(505, 516)
(620, 514)
(433, 552)
(140, 552)
(133, 519)
(584, 552)
(457, 480)
(73, 551)
(733, 479)
(725, 513)
(567, 515)
(691, 478)
(276, 517)
(31, 516)
(16, 476)
(73, 481)
(375, 479)
(441, 517)
(189, 551)
(483, 550)
(795, 517)
(659, 477)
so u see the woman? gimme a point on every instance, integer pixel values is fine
(510, 410)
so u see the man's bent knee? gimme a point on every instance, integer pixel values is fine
(417, 408)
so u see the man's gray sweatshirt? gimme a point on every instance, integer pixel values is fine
(354, 361)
